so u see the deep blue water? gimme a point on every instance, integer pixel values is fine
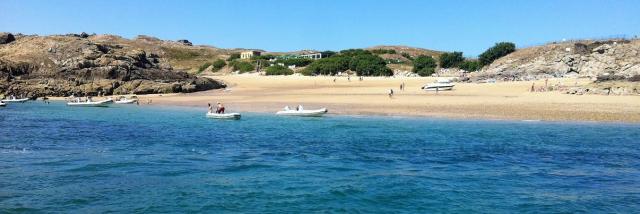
(55, 158)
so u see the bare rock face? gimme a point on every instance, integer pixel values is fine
(64, 65)
(584, 59)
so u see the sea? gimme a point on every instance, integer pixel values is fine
(150, 159)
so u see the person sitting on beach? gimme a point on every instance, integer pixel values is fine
(220, 109)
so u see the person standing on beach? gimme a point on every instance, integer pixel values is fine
(210, 108)
(391, 93)
(533, 87)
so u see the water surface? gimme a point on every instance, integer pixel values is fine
(55, 158)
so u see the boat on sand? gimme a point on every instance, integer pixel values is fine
(440, 85)
(231, 116)
(90, 103)
(124, 100)
(300, 112)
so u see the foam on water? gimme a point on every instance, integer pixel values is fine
(165, 159)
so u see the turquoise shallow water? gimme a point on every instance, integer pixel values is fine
(158, 159)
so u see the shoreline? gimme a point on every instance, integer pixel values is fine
(482, 101)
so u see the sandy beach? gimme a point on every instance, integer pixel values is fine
(502, 100)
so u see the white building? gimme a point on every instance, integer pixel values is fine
(249, 54)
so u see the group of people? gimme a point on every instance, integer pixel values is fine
(219, 108)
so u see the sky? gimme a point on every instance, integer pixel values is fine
(470, 26)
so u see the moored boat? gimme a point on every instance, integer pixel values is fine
(232, 116)
(2, 104)
(15, 100)
(89, 103)
(300, 112)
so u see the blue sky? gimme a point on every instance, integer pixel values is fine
(286, 25)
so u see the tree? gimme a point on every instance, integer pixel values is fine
(448, 60)
(470, 66)
(218, 64)
(361, 61)
(278, 70)
(369, 65)
(498, 50)
(328, 66)
(424, 65)
(298, 62)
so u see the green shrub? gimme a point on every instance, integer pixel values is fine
(218, 64)
(425, 72)
(203, 67)
(406, 55)
(264, 57)
(449, 60)
(470, 65)
(278, 70)
(383, 51)
(424, 65)
(233, 56)
(498, 50)
(242, 66)
(326, 54)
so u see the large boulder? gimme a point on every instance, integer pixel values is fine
(6, 38)
(185, 42)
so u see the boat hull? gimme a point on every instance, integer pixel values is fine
(441, 88)
(16, 100)
(228, 116)
(126, 101)
(104, 103)
(303, 113)
(3, 104)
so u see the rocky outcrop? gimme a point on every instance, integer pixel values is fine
(6, 38)
(185, 42)
(620, 58)
(74, 64)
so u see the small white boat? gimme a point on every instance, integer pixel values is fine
(301, 112)
(440, 85)
(126, 101)
(89, 103)
(14, 100)
(2, 104)
(232, 116)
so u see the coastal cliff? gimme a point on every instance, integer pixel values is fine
(83, 64)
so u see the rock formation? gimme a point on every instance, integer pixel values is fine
(615, 58)
(86, 65)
